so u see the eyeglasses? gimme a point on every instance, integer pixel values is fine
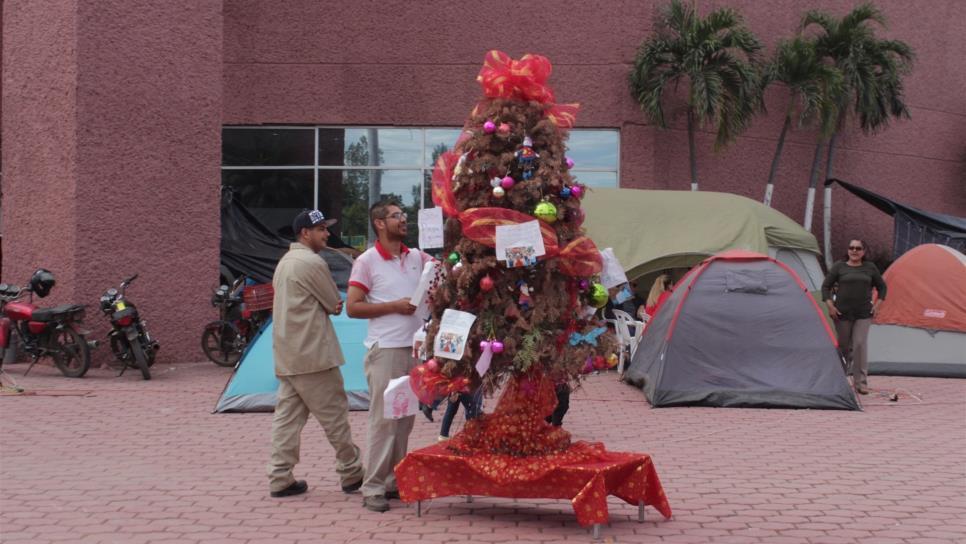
(397, 215)
(856, 248)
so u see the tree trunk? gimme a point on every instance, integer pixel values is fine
(809, 209)
(691, 149)
(777, 158)
(812, 183)
(827, 207)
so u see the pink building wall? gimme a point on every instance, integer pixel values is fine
(112, 113)
(414, 63)
(112, 126)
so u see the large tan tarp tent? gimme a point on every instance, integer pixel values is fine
(655, 230)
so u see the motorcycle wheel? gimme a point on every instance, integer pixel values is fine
(141, 359)
(121, 351)
(222, 343)
(71, 354)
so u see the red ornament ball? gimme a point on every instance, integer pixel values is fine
(486, 283)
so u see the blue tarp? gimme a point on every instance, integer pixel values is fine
(253, 386)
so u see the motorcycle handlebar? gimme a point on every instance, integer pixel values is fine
(127, 282)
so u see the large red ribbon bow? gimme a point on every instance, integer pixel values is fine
(524, 79)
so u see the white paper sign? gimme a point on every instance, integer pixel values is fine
(454, 330)
(519, 245)
(430, 227)
(612, 274)
(399, 400)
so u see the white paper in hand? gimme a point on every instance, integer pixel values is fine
(399, 400)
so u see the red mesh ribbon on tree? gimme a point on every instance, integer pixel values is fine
(443, 183)
(479, 225)
(526, 80)
(429, 384)
(580, 258)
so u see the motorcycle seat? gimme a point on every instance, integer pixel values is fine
(44, 315)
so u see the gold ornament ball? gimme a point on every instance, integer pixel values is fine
(546, 211)
(598, 295)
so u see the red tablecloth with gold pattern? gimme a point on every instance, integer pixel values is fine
(585, 473)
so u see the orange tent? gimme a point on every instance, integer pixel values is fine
(927, 290)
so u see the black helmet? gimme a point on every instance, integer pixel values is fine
(42, 282)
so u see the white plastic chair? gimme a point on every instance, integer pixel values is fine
(628, 343)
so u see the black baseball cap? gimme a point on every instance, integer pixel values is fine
(308, 219)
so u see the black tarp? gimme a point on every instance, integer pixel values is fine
(250, 248)
(913, 226)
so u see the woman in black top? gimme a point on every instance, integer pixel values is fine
(852, 308)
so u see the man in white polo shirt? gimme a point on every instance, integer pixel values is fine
(382, 280)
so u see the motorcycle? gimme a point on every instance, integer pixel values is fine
(44, 332)
(131, 343)
(240, 318)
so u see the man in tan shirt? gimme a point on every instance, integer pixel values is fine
(307, 359)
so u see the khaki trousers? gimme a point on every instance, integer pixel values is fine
(321, 394)
(854, 345)
(387, 439)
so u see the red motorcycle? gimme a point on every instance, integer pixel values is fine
(242, 313)
(44, 332)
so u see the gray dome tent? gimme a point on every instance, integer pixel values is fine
(740, 330)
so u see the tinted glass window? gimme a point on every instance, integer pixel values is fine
(273, 196)
(267, 147)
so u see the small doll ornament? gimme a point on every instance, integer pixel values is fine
(525, 301)
(527, 158)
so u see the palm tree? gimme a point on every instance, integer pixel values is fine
(872, 71)
(813, 86)
(717, 55)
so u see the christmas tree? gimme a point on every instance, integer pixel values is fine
(534, 319)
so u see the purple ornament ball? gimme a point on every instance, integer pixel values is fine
(507, 182)
(489, 127)
(497, 346)
(570, 162)
(584, 285)
(577, 191)
(484, 344)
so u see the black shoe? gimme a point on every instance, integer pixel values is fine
(427, 411)
(392, 495)
(297, 488)
(349, 488)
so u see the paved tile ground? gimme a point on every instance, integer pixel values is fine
(106, 459)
